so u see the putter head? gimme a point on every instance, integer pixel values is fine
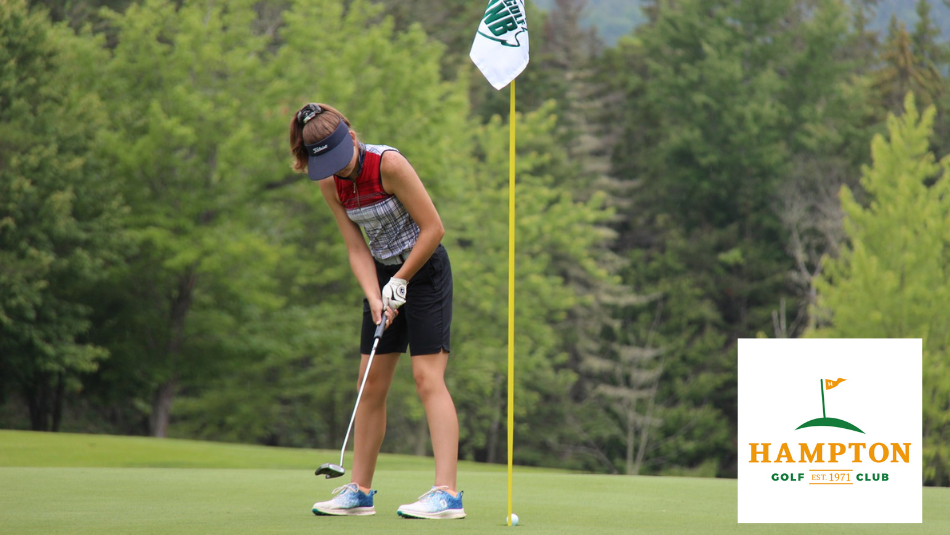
(330, 470)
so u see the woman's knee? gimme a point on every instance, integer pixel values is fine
(377, 386)
(428, 381)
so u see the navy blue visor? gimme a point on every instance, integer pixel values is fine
(331, 154)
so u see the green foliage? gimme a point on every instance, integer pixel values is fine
(733, 117)
(297, 371)
(466, 176)
(693, 393)
(59, 216)
(555, 235)
(450, 22)
(891, 279)
(148, 212)
(910, 64)
(298, 359)
(182, 84)
(712, 83)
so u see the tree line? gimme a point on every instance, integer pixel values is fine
(727, 170)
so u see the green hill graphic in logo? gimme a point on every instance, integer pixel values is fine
(824, 421)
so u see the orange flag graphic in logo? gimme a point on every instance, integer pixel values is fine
(831, 383)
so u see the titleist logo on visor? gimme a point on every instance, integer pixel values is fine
(330, 154)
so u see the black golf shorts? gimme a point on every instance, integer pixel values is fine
(424, 322)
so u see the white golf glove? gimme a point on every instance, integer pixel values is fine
(394, 293)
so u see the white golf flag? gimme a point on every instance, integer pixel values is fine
(500, 49)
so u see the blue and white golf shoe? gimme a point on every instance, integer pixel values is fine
(435, 504)
(349, 501)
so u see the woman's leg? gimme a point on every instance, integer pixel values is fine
(370, 425)
(429, 373)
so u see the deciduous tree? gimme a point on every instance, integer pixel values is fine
(59, 215)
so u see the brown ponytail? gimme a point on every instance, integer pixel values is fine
(310, 124)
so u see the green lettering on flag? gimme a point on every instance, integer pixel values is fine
(500, 48)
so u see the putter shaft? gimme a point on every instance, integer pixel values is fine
(376, 336)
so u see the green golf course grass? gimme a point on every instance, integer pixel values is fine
(57, 483)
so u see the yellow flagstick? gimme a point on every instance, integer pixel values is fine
(511, 293)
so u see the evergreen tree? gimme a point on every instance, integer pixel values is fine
(623, 378)
(722, 105)
(926, 33)
(558, 239)
(687, 431)
(452, 23)
(863, 40)
(905, 70)
(832, 122)
(78, 13)
(891, 279)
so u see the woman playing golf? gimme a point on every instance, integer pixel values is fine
(373, 188)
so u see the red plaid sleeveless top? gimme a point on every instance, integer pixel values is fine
(386, 222)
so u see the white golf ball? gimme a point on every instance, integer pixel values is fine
(514, 519)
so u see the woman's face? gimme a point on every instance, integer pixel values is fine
(348, 170)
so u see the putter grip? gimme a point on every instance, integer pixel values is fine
(380, 328)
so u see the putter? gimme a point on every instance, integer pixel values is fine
(336, 470)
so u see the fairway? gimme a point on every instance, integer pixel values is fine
(94, 484)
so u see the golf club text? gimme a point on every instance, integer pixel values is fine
(834, 477)
(878, 452)
(787, 477)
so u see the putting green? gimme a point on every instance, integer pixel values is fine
(64, 484)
